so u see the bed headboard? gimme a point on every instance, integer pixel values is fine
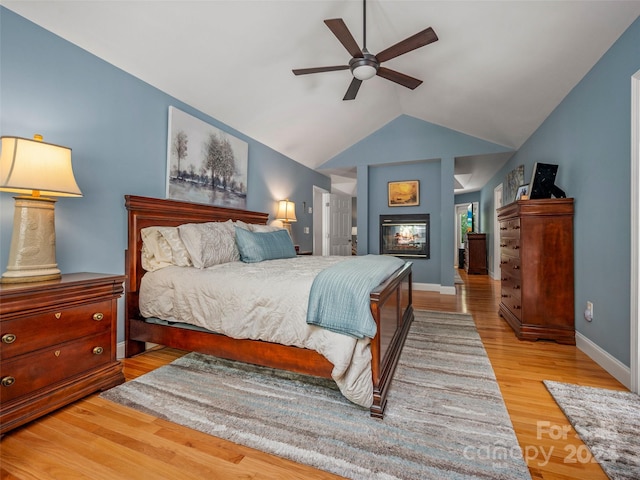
(146, 212)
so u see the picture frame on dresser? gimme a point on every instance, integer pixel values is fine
(523, 192)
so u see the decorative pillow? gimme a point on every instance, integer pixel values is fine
(258, 246)
(241, 224)
(161, 247)
(255, 227)
(210, 243)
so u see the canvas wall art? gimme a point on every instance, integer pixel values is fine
(515, 178)
(404, 194)
(205, 164)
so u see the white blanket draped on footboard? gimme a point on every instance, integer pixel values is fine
(260, 301)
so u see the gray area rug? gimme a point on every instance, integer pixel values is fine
(608, 422)
(445, 417)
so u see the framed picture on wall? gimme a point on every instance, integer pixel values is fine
(404, 194)
(205, 164)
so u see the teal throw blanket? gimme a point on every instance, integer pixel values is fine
(339, 297)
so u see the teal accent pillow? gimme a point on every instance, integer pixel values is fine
(258, 246)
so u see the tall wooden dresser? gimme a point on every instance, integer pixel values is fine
(536, 262)
(57, 343)
(475, 253)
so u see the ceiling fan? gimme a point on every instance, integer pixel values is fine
(364, 65)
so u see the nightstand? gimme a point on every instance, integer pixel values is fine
(57, 343)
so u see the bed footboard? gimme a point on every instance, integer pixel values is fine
(392, 309)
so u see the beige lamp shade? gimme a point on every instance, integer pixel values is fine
(286, 211)
(34, 168)
(28, 166)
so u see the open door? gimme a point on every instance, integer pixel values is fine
(336, 224)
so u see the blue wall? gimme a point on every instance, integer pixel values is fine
(405, 149)
(589, 136)
(117, 128)
(428, 174)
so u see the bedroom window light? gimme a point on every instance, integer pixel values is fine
(33, 168)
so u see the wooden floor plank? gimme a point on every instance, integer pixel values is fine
(94, 438)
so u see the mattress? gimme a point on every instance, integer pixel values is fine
(260, 301)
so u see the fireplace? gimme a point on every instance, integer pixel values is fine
(405, 235)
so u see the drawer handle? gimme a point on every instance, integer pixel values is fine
(98, 350)
(8, 381)
(504, 295)
(517, 307)
(503, 244)
(516, 227)
(516, 267)
(516, 287)
(517, 247)
(57, 315)
(98, 316)
(8, 338)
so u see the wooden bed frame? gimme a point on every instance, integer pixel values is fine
(391, 306)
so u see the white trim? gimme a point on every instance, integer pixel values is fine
(615, 367)
(495, 271)
(447, 290)
(634, 317)
(434, 287)
(120, 351)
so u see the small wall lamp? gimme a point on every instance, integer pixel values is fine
(34, 168)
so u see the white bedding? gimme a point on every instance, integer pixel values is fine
(260, 301)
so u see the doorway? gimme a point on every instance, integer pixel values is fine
(634, 319)
(497, 202)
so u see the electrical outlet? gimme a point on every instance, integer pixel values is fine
(306, 229)
(588, 313)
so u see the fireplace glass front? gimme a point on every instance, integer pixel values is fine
(404, 235)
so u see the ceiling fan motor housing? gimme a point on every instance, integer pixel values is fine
(365, 67)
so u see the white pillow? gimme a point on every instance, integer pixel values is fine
(161, 247)
(210, 243)
(255, 227)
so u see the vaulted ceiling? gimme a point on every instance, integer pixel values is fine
(497, 71)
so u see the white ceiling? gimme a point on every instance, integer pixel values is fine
(497, 71)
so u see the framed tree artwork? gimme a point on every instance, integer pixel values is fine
(205, 164)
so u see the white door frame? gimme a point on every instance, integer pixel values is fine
(497, 202)
(634, 318)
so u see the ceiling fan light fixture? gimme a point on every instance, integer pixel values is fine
(364, 68)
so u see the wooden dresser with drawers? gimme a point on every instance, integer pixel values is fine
(57, 343)
(536, 269)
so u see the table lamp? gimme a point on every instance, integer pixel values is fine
(38, 170)
(286, 213)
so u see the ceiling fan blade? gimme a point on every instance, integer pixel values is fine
(418, 40)
(399, 78)
(305, 71)
(342, 33)
(352, 91)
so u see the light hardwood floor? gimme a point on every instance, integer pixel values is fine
(96, 439)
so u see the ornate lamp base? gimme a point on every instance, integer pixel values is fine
(32, 256)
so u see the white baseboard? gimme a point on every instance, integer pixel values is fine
(120, 351)
(615, 367)
(434, 287)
